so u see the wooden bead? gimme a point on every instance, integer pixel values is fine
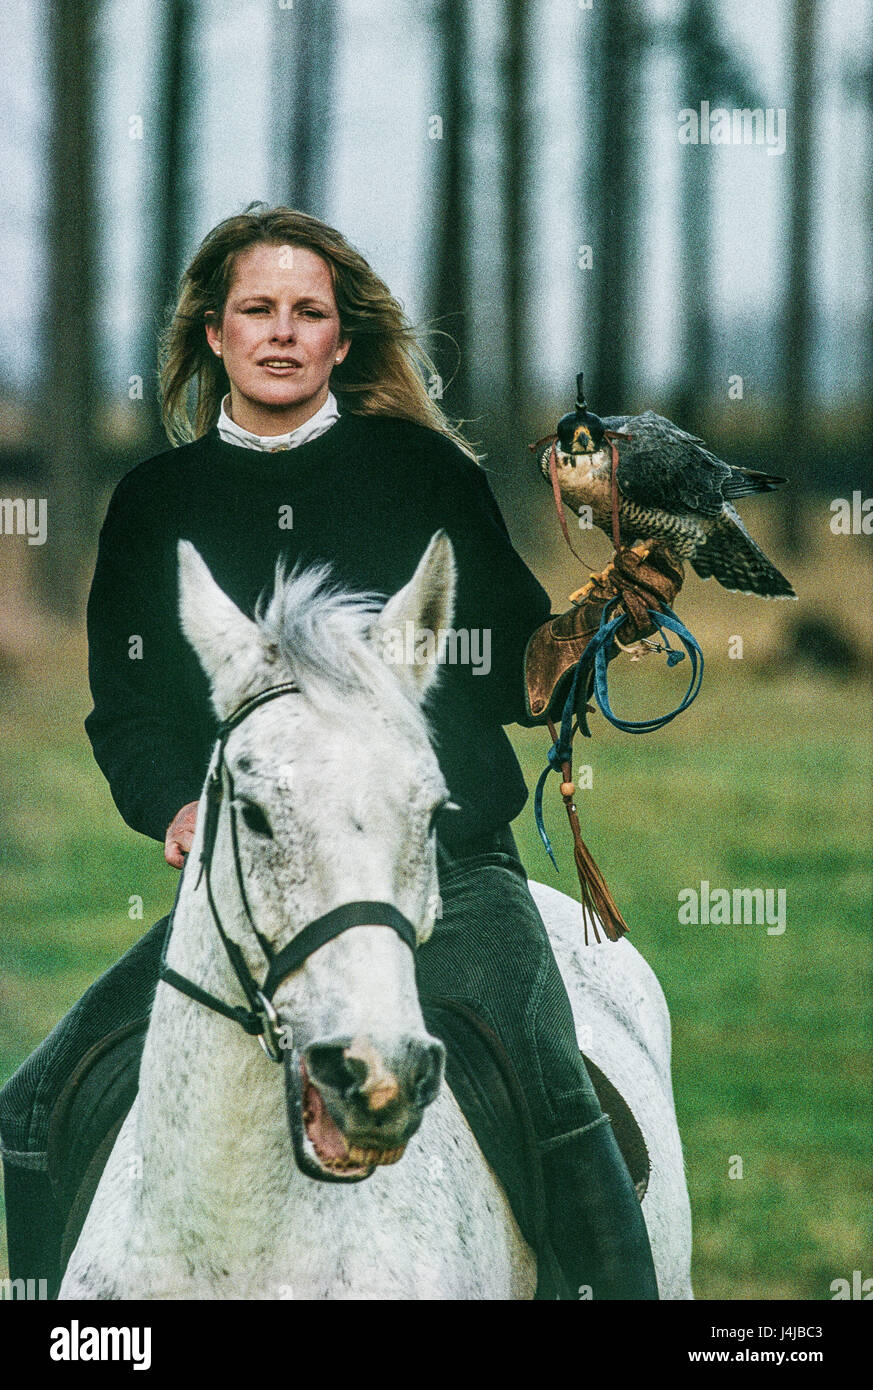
(567, 788)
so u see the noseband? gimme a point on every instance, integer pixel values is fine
(260, 1018)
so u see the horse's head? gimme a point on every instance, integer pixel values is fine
(332, 795)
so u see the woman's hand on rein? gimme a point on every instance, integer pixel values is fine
(180, 834)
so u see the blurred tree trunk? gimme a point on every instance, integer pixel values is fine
(306, 49)
(516, 162)
(449, 292)
(711, 71)
(612, 197)
(799, 302)
(866, 86)
(172, 191)
(695, 226)
(69, 381)
(858, 85)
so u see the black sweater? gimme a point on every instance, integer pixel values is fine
(367, 496)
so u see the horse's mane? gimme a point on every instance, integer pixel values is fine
(320, 632)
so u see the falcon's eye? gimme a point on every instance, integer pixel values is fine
(255, 819)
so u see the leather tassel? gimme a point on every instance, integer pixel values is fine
(598, 903)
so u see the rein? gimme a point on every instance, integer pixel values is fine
(260, 1018)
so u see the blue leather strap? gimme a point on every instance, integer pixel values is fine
(596, 655)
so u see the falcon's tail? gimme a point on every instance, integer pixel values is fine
(732, 557)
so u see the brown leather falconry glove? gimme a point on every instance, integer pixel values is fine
(643, 575)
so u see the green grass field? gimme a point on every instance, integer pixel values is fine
(764, 783)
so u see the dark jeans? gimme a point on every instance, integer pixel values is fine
(489, 950)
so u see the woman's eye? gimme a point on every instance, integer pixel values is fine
(255, 819)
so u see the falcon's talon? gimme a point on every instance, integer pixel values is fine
(579, 596)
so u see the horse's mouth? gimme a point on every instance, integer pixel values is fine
(331, 1146)
(321, 1148)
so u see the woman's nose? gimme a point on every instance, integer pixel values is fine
(284, 328)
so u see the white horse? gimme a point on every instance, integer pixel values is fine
(330, 794)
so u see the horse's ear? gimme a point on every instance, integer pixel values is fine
(228, 644)
(411, 628)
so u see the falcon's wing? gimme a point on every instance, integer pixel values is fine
(662, 466)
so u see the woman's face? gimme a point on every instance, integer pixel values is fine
(279, 338)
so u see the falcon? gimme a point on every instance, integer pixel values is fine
(670, 487)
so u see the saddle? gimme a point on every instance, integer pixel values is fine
(90, 1110)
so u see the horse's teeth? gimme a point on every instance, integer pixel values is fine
(364, 1158)
(375, 1157)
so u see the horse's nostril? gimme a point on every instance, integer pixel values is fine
(378, 1077)
(328, 1065)
(428, 1073)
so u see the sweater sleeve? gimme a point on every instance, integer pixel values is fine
(497, 596)
(151, 757)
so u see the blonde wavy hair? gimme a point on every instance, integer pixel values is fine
(384, 371)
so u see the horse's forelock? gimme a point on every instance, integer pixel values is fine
(320, 632)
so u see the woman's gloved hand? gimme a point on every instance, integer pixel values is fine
(643, 576)
(180, 835)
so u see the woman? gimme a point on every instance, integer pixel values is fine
(295, 346)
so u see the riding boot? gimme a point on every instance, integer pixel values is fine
(594, 1218)
(34, 1229)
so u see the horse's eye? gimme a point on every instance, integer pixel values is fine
(437, 813)
(255, 819)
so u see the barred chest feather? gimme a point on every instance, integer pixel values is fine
(685, 534)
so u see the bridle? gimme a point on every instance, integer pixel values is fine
(260, 1018)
